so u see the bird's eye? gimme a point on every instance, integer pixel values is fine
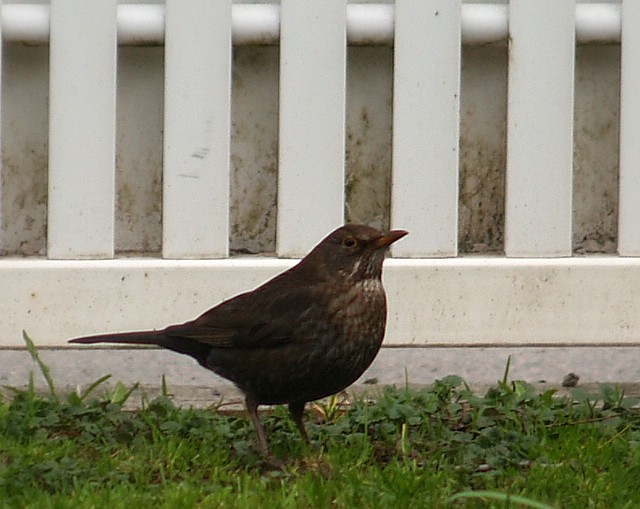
(349, 242)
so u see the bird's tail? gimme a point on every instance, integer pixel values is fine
(199, 351)
(127, 338)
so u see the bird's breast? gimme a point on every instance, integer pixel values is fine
(360, 311)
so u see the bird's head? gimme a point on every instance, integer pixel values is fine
(353, 251)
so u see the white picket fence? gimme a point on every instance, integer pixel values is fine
(537, 293)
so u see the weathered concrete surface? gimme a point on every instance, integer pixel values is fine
(190, 384)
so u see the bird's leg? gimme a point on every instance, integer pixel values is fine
(296, 409)
(252, 408)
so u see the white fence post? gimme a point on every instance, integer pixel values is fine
(1, 51)
(312, 122)
(629, 183)
(197, 129)
(82, 118)
(538, 213)
(425, 126)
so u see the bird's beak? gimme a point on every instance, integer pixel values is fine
(389, 238)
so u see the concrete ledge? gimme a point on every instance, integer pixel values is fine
(457, 301)
(193, 385)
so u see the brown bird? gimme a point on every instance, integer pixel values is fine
(308, 333)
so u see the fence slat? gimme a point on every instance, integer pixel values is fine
(197, 129)
(425, 127)
(312, 123)
(538, 211)
(629, 182)
(82, 117)
(2, 242)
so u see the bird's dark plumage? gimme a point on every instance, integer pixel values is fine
(305, 334)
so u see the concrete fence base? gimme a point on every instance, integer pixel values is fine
(455, 301)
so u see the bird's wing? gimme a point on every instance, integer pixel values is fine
(255, 320)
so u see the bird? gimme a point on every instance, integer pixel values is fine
(306, 334)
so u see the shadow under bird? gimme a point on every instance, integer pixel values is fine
(308, 333)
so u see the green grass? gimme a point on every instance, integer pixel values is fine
(437, 448)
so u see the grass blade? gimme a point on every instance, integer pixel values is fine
(93, 386)
(46, 372)
(505, 376)
(121, 394)
(165, 388)
(501, 497)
